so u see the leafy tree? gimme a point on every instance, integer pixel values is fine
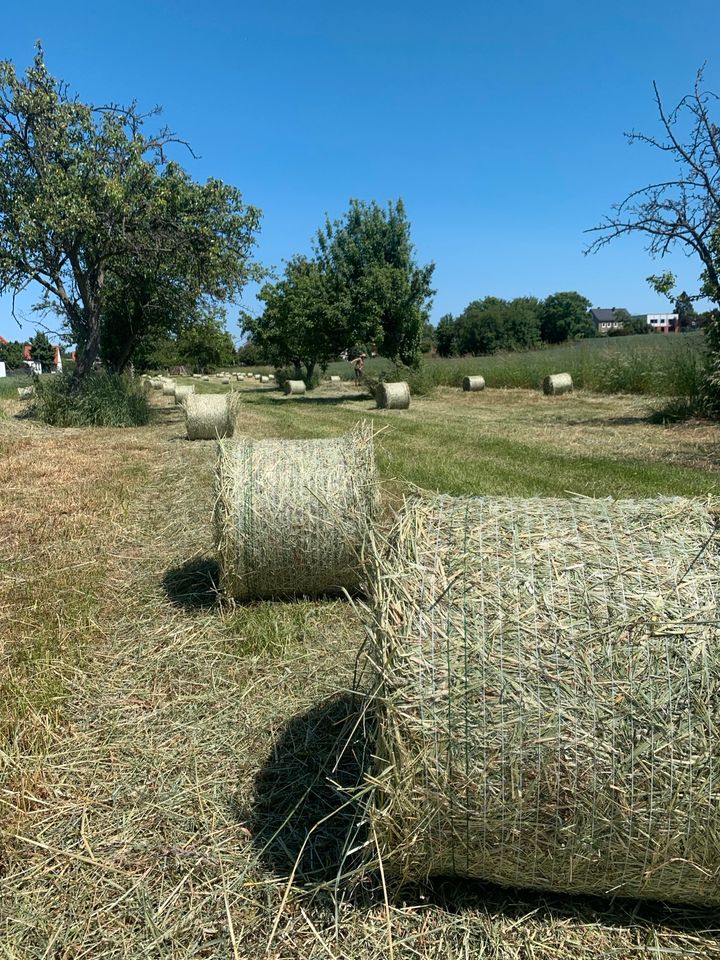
(299, 325)
(11, 354)
(564, 316)
(682, 209)
(114, 234)
(482, 326)
(41, 350)
(378, 292)
(446, 336)
(636, 323)
(523, 323)
(251, 354)
(685, 311)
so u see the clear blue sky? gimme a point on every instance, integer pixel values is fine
(499, 124)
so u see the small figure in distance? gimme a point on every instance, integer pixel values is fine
(359, 364)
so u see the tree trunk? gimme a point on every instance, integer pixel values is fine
(89, 352)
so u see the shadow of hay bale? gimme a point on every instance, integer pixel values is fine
(305, 816)
(194, 585)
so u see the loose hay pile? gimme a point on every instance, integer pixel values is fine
(557, 383)
(473, 383)
(549, 695)
(292, 516)
(294, 387)
(393, 396)
(209, 415)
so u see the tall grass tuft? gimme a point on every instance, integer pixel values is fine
(102, 400)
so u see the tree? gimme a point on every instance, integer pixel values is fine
(11, 353)
(299, 325)
(446, 335)
(564, 316)
(379, 293)
(685, 311)
(92, 211)
(482, 326)
(636, 323)
(682, 210)
(41, 350)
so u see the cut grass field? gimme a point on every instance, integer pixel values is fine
(167, 759)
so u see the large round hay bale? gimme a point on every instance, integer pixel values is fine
(157, 383)
(295, 388)
(334, 378)
(292, 517)
(25, 393)
(393, 396)
(557, 383)
(209, 415)
(473, 383)
(225, 380)
(257, 376)
(168, 388)
(183, 392)
(549, 695)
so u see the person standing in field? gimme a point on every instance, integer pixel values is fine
(359, 364)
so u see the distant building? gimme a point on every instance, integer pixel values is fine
(664, 322)
(606, 320)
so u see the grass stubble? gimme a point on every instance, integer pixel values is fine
(200, 753)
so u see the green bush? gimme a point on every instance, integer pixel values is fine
(103, 400)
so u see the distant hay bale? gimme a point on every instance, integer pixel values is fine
(183, 392)
(264, 379)
(226, 379)
(296, 388)
(196, 376)
(168, 388)
(393, 396)
(557, 383)
(156, 383)
(473, 383)
(548, 707)
(209, 415)
(292, 517)
(238, 376)
(271, 376)
(24, 393)
(206, 379)
(334, 378)
(257, 376)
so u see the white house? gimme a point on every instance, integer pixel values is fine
(664, 322)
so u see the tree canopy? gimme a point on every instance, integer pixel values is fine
(120, 239)
(564, 316)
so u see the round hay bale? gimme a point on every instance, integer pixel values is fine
(296, 388)
(292, 517)
(549, 695)
(557, 383)
(334, 378)
(264, 379)
(473, 383)
(225, 380)
(183, 392)
(168, 388)
(197, 376)
(257, 376)
(157, 383)
(393, 396)
(24, 393)
(271, 376)
(206, 379)
(209, 416)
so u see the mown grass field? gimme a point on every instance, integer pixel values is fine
(164, 754)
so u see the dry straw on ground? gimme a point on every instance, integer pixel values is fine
(294, 387)
(292, 516)
(393, 396)
(183, 392)
(473, 383)
(557, 383)
(549, 695)
(209, 415)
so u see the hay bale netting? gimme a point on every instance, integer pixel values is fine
(183, 392)
(168, 388)
(293, 517)
(473, 383)
(557, 383)
(209, 415)
(549, 695)
(295, 388)
(393, 396)
(25, 393)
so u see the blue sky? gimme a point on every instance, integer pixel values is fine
(500, 125)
